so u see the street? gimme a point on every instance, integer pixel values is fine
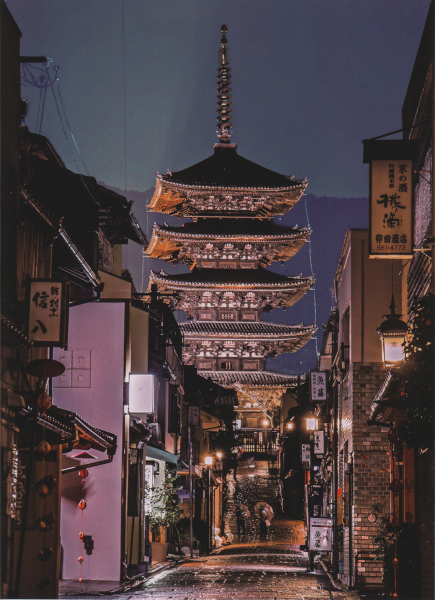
(242, 572)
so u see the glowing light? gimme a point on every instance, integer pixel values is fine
(208, 460)
(289, 426)
(312, 423)
(265, 423)
(219, 455)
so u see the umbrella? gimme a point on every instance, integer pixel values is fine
(267, 507)
(245, 511)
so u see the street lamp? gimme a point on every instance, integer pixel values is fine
(208, 461)
(393, 334)
(219, 455)
(289, 426)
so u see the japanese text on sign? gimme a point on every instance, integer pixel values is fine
(306, 453)
(391, 208)
(318, 386)
(46, 306)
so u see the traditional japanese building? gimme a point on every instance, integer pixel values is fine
(227, 246)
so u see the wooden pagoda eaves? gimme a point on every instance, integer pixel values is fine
(258, 289)
(199, 241)
(226, 185)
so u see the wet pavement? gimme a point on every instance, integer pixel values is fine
(269, 573)
(248, 568)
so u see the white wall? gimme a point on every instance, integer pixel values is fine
(98, 327)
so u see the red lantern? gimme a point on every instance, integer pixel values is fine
(81, 535)
(43, 490)
(82, 504)
(80, 559)
(83, 473)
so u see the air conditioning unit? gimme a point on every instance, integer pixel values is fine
(156, 435)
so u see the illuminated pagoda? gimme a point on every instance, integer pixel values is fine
(227, 247)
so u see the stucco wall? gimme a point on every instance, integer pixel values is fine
(98, 327)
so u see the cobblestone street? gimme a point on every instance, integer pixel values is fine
(239, 573)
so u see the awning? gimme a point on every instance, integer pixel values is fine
(158, 454)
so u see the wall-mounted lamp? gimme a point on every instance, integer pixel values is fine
(393, 334)
(265, 423)
(289, 426)
(208, 461)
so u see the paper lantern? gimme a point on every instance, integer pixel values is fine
(82, 504)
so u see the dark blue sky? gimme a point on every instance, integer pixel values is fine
(310, 80)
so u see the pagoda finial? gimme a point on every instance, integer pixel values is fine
(224, 91)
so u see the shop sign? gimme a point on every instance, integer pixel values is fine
(319, 442)
(193, 418)
(48, 305)
(318, 386)
(391, 209)
(306, 453)
(320, 534)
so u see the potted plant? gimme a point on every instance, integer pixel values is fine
(383, 542)
(164, 512)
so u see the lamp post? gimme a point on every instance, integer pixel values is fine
(265, 424)
(209, 462)
(393, 334)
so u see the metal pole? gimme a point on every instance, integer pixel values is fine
(190, 491)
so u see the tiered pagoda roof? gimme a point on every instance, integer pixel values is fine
(213, 286)
(242, 239)
(232, 202)
(226, 185)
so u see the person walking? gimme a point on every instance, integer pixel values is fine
(264, 530)
(241, 514)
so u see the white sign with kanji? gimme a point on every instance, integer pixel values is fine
(319, 442)
(46, 312)
(320, 534)
(306, 453)
(318, 386)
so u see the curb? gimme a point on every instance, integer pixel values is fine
(128, 585)
(138, 579)
(335, 584)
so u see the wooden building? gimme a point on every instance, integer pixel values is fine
(227, 246)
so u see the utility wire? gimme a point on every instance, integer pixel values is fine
(125, 116)
(312, 272)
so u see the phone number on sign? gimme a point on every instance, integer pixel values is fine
(393, 247)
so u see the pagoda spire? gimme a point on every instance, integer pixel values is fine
(224, 91)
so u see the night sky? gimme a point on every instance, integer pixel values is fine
(310, 80)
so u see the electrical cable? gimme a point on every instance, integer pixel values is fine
(312, 272)
(125, 117)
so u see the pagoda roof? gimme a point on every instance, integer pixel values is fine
(246, 278)
(175, 244)
(239, 328)
(227, 169)
(251, 378)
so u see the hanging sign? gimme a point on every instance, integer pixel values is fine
(319, 442)
(391, 208)
(318, 386)
(193, 418)
(48, 303)
(320, 534)
(306, 453)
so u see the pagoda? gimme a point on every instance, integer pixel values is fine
(227, 245)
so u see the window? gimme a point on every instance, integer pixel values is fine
(227, 316)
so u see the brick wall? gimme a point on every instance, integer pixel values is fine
(368, 451)
(426, 503)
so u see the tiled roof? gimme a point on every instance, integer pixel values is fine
(212, 277)
(225, 168)
(229, 228)
(243, 328)
(257, 378)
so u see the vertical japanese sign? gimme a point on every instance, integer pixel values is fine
(319, 442)
(318, 386)
(193, 417)
(48, 303)
(320, 534)
(305, 453)
(391, 208)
